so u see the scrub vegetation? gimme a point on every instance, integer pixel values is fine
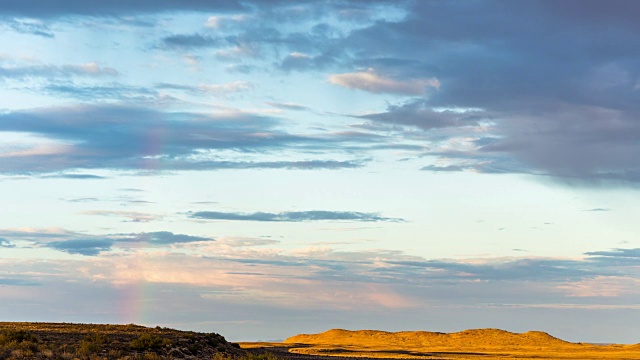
(96, 342)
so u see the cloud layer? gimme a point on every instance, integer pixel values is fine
(292, 216)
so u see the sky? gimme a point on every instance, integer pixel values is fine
(261, 169)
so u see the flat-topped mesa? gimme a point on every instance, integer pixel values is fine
(419, 339)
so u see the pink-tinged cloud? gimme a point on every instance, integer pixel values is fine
(132, 216)
(371, 81)
(602, 286)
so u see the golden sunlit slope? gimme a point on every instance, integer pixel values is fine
(468, 344)
(419, 339)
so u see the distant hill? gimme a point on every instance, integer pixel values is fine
(485, 344)
(477, 338)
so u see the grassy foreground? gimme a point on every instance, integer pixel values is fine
(84, 341)
(487, 344)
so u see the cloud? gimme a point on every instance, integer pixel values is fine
(17, 282)
(293, 216)
(93, 245)
(573, 120)
(418, 113)
(116, 91)
(304, 62)
(91, 69)
(191, 41)
(288, 106)
(372, 82)
(131, 216)
(551, 270)
(4, 243)
(279, 277)
(87, 247)
(214, 89)
(139, 138)
(248, 242)
(163, 238)
(29, 26)
(36, 8)
(602, 286)
(448, 168)
(76, 176)
(36, 234)
(617, 253)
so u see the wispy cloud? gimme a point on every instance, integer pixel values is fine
(93, 245)
(33, 8)
(6, 243)
(76, 176)
(211, 89)
(29, 26)
(191, 41)
(88, 247)
(288, 106)
(101, 136)
(293, 216)
(372, 82)
(131, 216)
(90, 69)
(448, 168)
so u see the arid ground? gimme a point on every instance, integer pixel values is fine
(134, 342)
(469, 344)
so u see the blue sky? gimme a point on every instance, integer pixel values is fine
(267, 168)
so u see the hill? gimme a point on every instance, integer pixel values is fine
(468, 344)
(419, 339)
(84, 341)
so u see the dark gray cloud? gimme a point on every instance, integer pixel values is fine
(417, 113)
(55, 8)
(625, 253)
(76, 176)
(293, 216)
(95, 245)
(88, 247)
(163, 238)
(448, 168)
(127, 137)
(190, 41)
(556, 80)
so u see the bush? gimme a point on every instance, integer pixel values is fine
(10, 335)
(148, 342)
(91, 344)
(214, 339)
